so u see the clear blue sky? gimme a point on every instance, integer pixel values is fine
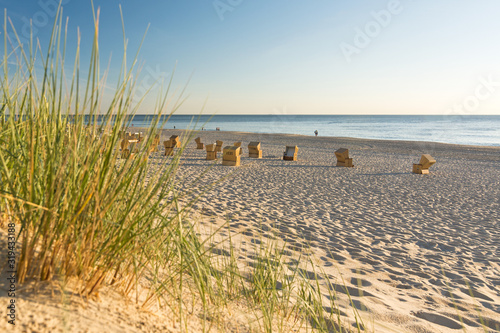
(299, 57)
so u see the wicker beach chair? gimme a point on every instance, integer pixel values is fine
(254, 150)
(238, 144)
(218, 147)
(176, 140)
(290, 153)
(231, 156)
(199, 144)
(343, 159)
(211, 151)
(169, 145)
(422, 168)
(154, 144)
(129, 148)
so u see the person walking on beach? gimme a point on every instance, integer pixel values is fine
(316, 132)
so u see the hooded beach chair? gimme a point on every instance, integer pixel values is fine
(199, 144)
(426, 161)
(290, 153)
(218, 146)
(211, 152)
(238, 144)
(155, 144)
(254, 150)
(129, 148)
(343, 159)
(176, 140)
(231, 156)
(169, 144)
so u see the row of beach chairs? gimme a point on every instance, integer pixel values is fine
(231, 155)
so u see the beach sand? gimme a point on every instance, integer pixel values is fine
(416, 253)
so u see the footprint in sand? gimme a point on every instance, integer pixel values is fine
(339, 258)
(463, 319)
(326, 262)
(476, 294)
(491, 323)
(418, 273)
(359, 305)
(358, 271)
(448, 294)
(349, 290)
(369, 261)
(336, 311)
(309, 275)
(360, 282)
(221, 252)
(438, 319)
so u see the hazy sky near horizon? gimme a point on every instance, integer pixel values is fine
(297, 57)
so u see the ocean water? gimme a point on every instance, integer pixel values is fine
(469, 130)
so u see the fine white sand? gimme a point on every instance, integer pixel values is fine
(416, 253)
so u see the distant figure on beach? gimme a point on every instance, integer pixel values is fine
(217, 129)
(174, 127)
(316, 132)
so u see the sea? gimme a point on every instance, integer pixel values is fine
(482, 130)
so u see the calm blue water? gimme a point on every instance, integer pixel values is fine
(470, 130)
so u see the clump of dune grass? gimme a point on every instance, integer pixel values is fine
(84, 213)
(283, 291)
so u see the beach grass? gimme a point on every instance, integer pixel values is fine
(85, 214)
